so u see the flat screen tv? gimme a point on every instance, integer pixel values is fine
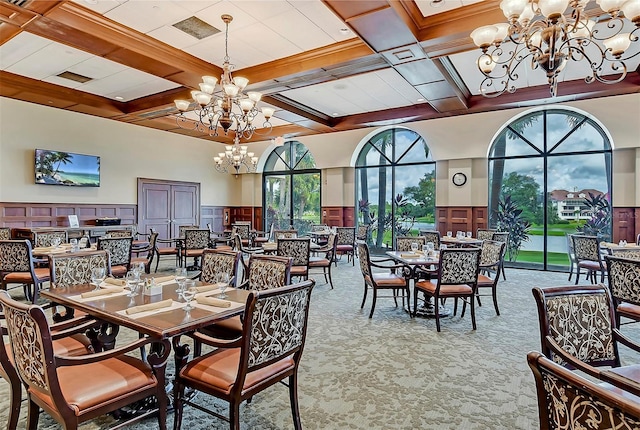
(67, 168)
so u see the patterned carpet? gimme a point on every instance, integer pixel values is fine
(395, 372)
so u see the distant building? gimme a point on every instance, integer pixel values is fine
(571, 205)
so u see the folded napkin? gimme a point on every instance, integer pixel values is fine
(101, 292)
(205, 288)
(409, 255)
(212, 301)
(161, 279)
(150, 307)
(114, 281)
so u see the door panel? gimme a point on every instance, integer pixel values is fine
(186, 206)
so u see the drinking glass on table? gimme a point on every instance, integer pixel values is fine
(469, 235)
(97, 276)
(133, 282)
(449, 234)
(189, 292)
(181, 277)
(56, 241)
(138, 268)
(430, 248)
(222, 280)
(414, 247)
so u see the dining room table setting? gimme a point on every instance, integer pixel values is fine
(460, 239)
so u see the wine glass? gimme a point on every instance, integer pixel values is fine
(97, 276)
(430, 248)
(133, 282)
(469, 235)
(181, 277)
(414, 247)
(138, 268)
(56, 241)
(189, 292)
(449, 234)
(223, 282)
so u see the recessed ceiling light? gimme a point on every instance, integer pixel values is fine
(91, 1)
(334, 114)
(420, 100)
(119, 98)
(344, 30)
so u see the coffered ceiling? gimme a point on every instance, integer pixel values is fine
(324, 66)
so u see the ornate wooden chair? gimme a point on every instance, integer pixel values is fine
(501, 236)
(403, 243)
(17, 267)
(215, 261)
(568, 401)
(5, 233)
(624, 285)
(167, 247)
(324, 262)
(375, 281)
(491, 259)
(587, 250)
(485, 233)
(58, 383)
(268, 351)
(119, 249)
(149, 250)
(299, 249)
(573, 263)
(285, 234)
(457, 278)
(238, 245)
(578, 329)
(263, 236)
(628, 253)
(431, 236)
(46, 238)
(242, 230)
(195, 242)
(119, 233)
(346, 237)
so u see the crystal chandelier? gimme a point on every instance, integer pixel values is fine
(540, 31)
(225, 106)
(234, 158)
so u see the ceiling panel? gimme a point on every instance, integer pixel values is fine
(433, 7)
(148, 15)
(57, 58)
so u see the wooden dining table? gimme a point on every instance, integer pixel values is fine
(466, 241)
(65, 248)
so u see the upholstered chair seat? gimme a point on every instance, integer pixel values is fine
(389, 279)
(42, 275)
(449, 290)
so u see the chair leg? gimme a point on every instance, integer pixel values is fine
(577, 275)
(373, 304)
(364, 298)
(436, 309)
(571, 271)
(408, 300)
(330, 280)
(33, 412)
(234, 416)
(494, 292)
(293, 398)
(415, 301)
(14, 404)
(178, 405)
(473, 313)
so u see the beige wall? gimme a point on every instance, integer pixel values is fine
(128, 152)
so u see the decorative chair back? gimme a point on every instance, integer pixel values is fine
(243, 230)
(403, 243)
(431, 236)
(183, 228)
(15, 256)
(362, 233)
(215, 261)
(346, 235)
(628, 253)
(237, 242)
(459, 266)
(319, 227)
(331, 245)
(492, 253)
(5, 233)
(567, 400)
(196, 239)
(268, 271)
(624, 279)
(285, 234)
(485, 233)
(275, 327)
(120, 233)
(500, 236)
(365, 260)
(298, 249)
(586, 247)
(119, 249)
(581, 320)
(73, 269)
(46, 238)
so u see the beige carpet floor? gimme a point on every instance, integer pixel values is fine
(395, 372)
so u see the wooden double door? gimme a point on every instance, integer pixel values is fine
(166, 205)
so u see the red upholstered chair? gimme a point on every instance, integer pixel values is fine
(58, 383)
(17, 267)
(268, 351)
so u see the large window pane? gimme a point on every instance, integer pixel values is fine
(306, 201)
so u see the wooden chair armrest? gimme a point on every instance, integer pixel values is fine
(72, 326)
(215, 342)
(626, 341)
(40, 260)
(384, 266)
(62, 360)
(620, 381)
(571, 360)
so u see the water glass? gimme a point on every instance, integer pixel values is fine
(469, 234)
(414, 246)
(97, 276)
(74, 245)
(56, 241)
(449, 234)
(181, 277)
(133, 282)
(223, 282)
(189, 292)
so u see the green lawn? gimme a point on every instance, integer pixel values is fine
(553, 258)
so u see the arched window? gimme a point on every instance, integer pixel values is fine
(555, 166)
(291, 188)
(395, 186)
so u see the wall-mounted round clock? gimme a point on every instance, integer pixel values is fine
(459, 179)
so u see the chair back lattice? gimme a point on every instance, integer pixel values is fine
(5, 233)
(403, 243)
(431, 236)
(276, 324)
(216, 261)
(581, 320)
(630, 254)
(346, 235)
(500, 236)
(183, 228)
(30, 342)
(485, 234)
(120, 233)
(196, 239)
(492, 253)
(586, 247)
(459, 266)
(243, 230)
(267, 272)
(15, 256)
(119, 249)
(624, 279)
(319, 227)
(298, 249)
(568, 401)
(362, 233)
(285, 234)
(365, 260)
(45, 238)
(74, 269)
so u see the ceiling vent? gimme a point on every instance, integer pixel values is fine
(74, 77)
(196, 27)
(159, 113)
